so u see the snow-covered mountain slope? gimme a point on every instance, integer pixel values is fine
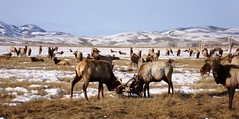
(191, 36)
(27, 31)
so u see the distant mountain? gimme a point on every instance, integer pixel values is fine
(27, 31)
(190, 36)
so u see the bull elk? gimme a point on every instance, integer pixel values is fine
(90, 70)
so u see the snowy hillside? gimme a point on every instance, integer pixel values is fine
(29, 31)
(191, 36)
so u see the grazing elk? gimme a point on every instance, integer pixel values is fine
(90, 70)
(129, 88)
(227, 75)
(154, 72)
(60, 62)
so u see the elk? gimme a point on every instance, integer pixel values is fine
(134, 59)
(227, 75)
(14, 49)
(122, 53)
(129, 88)
(148, 58)
(40, 50)
(91, 70)
(197, 54)
(78, 56)
(154, 72)
(178, 52)
(95, 54)
(205, 53)
(5, 56)
(51, 53)
(112, 51)
(36, 59)
(22, 51)
(60, 62)
(29, 51)
(131, 51)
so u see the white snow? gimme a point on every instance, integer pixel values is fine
(183, 77)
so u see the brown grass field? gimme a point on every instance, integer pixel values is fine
(162, 106)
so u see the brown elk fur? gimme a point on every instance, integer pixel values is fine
(154, 72)
(227, 75)
(90, 70)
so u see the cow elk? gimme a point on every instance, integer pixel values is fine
(154, 72)
(227, 75)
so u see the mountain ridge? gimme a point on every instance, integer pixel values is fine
(187, 36)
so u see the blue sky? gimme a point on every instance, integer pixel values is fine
(105, 17)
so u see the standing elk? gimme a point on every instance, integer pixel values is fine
(90, 70)
(227, 75)
(51, 53)
(95, 54)
(197, 54)
(134, 60)
(205, 53)
(78, 56)
(14, 50)
(40, 50)
(154, 72)
(22, 51)
(131, 51)
(178, 52)
(29, 52)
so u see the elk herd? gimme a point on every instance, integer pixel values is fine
(99, 68)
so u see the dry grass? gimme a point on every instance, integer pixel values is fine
(161, 106)
(180, 105)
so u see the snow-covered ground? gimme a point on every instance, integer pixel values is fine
(182, 76)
